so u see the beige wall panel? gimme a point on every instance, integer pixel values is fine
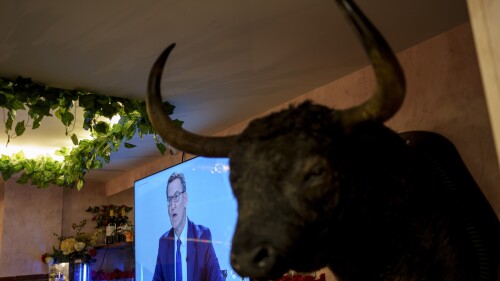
(485, 20)
(31, 216)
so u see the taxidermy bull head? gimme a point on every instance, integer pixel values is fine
(323, 187)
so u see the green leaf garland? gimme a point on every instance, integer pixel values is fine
(39, 100)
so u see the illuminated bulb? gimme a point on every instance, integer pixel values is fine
(115, 119)
(33, 151)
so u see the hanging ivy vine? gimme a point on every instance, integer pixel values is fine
(88, 154)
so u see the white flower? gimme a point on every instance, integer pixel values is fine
(67, 246)
(79, 246)
(49, 260)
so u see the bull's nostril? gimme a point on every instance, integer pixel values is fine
(262, 257)
(234, 262)
(257, 260)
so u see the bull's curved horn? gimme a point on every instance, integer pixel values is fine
(391, 85)
(173, 134)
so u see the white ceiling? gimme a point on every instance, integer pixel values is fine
(233, 60)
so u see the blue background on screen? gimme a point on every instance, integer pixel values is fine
(210, 203)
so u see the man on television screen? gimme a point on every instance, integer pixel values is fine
(185, 252)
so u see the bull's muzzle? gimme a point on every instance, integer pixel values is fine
(258, 262)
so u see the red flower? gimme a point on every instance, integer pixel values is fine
(43, 257)
(92, 252)
(300, 277)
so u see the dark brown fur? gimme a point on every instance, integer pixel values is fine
(362, 202)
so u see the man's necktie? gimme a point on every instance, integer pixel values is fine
(178, 262)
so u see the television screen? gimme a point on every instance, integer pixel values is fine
(210, 202)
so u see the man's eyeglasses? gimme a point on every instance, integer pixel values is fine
(174, 198)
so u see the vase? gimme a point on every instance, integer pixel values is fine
(58, 271)
(79, 270)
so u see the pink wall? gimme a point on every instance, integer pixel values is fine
(445, 95)
(93, 194)
(2, 203)
(30, 217)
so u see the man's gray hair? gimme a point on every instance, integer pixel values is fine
(179, 176)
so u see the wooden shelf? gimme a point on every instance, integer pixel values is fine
(112, 256)
(118, 245)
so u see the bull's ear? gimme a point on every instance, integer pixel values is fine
(391, 85)
(172, 134)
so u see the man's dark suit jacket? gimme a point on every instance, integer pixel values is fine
(202, 263)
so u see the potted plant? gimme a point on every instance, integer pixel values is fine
(71, 251)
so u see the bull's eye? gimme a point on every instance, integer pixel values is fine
(315, 174)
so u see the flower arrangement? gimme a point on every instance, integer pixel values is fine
(105, 214)
(80, 246)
